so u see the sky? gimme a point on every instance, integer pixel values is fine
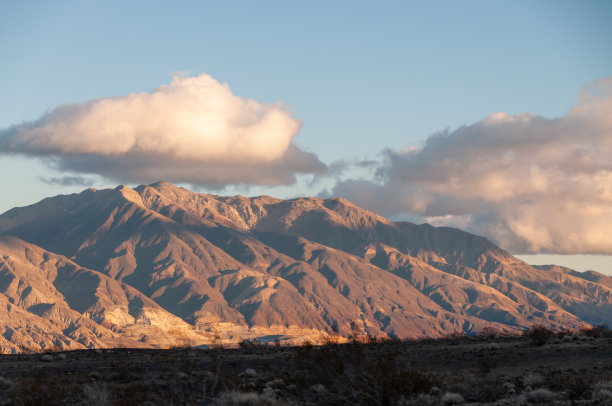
(495, 117)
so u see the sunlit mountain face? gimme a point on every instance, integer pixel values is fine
(158, 266)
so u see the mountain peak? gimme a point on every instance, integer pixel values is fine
(129, 194)
(159, 259)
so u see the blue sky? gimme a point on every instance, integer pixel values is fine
(363, 77)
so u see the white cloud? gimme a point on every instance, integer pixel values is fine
(193, 129)
(530, 183)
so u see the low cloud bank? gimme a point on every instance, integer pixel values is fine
(530, 183)
(193, 129)
(67, 181)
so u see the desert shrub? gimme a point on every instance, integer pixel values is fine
(5, 383)
(509, 387)
(476, 388)
(329, 359)
(486, 365)
(554, 378)
(219, 376)
(603, 391)
(304, 350)
(450, 398)
(251, 346)
(539, 334)
(384, 382)
(455, 336)
(354, 351)
(489, 332)
(563, 333)
(333, 339)
(325, 362)
(603, 394)
(423, 399)
(372, 339)
(533, 380)
(577, 384)
(519, 399)
(235, 398)
(41, 388)
(96, 394)
(601, 330)
(540, 396)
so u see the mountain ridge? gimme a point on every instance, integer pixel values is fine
(235, 267)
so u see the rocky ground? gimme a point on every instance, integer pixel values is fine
(563, 369)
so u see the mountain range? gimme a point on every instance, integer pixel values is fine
(159, 266)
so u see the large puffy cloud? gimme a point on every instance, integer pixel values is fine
(193, 129)
(530, 183)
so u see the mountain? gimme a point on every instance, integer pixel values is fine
(159, 265)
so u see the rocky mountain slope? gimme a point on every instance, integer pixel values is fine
(159, 265)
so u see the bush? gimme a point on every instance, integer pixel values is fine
(577, 384)
(603, 391)
(601, 330)
(539, 334)
(455, 336)
(384, 381)
(251, 346)
(489, 332)
(579, 387)
(485, 365)
(533, 380)
(236, 398)
(450, 398)
(542, 396)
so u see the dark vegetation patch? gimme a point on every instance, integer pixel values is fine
(489, 368)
